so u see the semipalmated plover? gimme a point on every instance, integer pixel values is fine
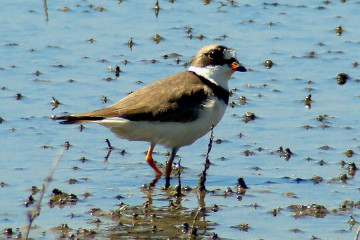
(174, 111)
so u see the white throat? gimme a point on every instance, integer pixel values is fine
(219, 75)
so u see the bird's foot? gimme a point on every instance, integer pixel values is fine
(151, 163)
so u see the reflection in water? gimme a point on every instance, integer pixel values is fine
(156, 179)
(201, 198)
(109, 148)
(193, 222)
(169, 220)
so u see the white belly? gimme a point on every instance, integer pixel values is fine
(169, 134)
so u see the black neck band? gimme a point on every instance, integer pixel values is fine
(219, 92)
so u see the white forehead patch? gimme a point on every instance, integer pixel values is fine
(229, 53)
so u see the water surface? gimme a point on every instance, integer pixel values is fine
(73, 51)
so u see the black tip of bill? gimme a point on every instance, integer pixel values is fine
(241, 69)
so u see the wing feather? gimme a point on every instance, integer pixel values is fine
(176, 98)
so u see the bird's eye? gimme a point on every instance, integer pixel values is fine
(213, 54)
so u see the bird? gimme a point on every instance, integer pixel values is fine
(175, 111)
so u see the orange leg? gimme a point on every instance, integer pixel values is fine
(150, 160)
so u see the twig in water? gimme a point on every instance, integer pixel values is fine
(201, 185)
(207, 161)
(202, 180)
(178, 189)
(109, 144)
(32, 214)
(46, 11)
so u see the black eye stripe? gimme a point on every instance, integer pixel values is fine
(222, 61)
(216, 57)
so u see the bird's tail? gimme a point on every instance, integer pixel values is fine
(70, 119)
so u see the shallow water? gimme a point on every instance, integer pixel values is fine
(299, 37)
